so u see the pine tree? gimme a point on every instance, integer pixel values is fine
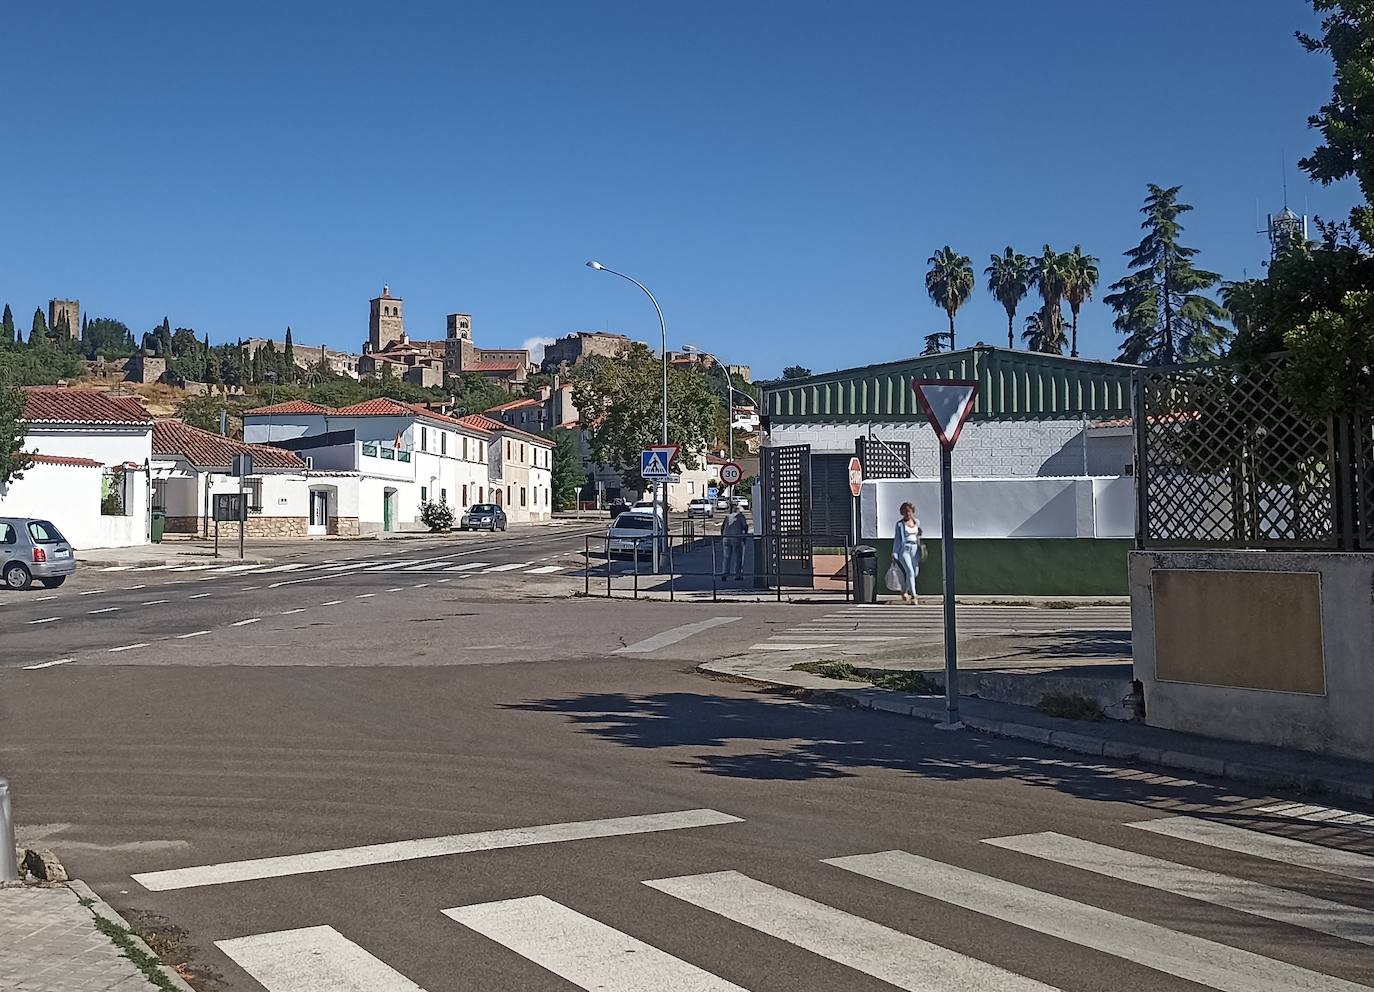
(1160, 306)
(63, 330)
(38, 332)
(289, 365)
(7, 334)
(85, 325)
(212, 369)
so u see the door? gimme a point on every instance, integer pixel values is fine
(319, 512)
(388, 500)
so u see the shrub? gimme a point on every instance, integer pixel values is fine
(1070, 706)
(436, 516)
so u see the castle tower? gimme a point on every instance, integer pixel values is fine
(386, 323)
(459, 351)
(72, 310)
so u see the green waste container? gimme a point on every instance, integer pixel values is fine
(159, 525)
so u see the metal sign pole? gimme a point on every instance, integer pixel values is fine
(9, 862)
(952, 721)
(243, 515)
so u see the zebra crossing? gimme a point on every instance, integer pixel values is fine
(351, 566)
(589, 953)
(865, 625)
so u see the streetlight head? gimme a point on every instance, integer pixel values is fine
(690, 348)
(594, 264)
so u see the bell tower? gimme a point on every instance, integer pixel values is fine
(385, 321)
(459, 351)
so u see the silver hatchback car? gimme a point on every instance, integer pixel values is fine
(33, 549)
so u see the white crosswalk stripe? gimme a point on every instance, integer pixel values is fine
(1239, 894)
(1294, 852)
(1324, 815)
(313, 959)
(510, 567)
(901, 960)
(1206, 962)
(583, 951)
(544, 570)
(467, 566)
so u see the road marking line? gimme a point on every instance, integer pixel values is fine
(92, 592)
(141, 585)
(245, 623)
(287, 613)
(509, 568)
(391, 564)
(674, 635)
(1294, 908)
(583, 951)
(194, 633)
(1251, 842)
(280, 568)
(1317, 814)
(545, 570)
(395, 589)
(130, 647)
(155, 602)
(467, 565)
(313, 958)
(116, 568)
(332, 602)
(429, 847)
(365, 595)
(107, 609)
(48, 664)
(200, 595)
(889, 955)
(789, 646)
(44, 620)
(829, 635)
(420, 585)
(1216, 966)
(443, 580)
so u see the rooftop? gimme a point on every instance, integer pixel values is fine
(207, 450)
(482, 423)
(64, 405)
(377, 407)
(496, 365)
(512, 405)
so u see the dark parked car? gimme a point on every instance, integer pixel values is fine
(618, 506)
(33, 549)
(483, 516)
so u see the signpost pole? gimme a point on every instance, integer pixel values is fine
(952, 721)
(243, 516)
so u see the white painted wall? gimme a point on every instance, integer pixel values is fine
(1000, 508)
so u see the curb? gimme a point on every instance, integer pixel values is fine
(1198, 764)
(102, 909)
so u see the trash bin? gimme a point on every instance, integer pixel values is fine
(865, 561)
(159, 523)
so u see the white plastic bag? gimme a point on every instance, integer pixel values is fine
(896, 578)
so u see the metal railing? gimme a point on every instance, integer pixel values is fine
(694, 560)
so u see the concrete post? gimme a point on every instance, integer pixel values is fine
(9, 864)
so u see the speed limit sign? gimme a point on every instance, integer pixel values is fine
(730, 473)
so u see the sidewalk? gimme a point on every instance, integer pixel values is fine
(58, 937)
(175, 553)
(1270, 767)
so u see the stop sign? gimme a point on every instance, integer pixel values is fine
(856, 476)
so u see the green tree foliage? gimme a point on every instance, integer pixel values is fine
(796, 372)
(937, 342)
(1050, 278)
(436, 516)
(621, 399)
(14, 460)
(1080, 280)
(38, 330)
(473, 392)
(202, 411)
(7, 336)
(288, 365)
(1332, 368)
(1043, 333)
(1009, 280)
(106, 337)
(1160, 305)
(949, 283)
(63, 330)
(567, 472)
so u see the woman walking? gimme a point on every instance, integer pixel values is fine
(906, 549)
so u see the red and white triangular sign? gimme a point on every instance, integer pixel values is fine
(947, 403)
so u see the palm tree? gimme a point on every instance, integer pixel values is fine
(1048, 276)
(949, 283)
(1009, 280)
(1043, 333)
(1080, 279)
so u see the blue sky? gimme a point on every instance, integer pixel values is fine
(777, 172)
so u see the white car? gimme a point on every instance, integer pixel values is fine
(633, 529)
(741, 503)
(701, 507)
(648, 505)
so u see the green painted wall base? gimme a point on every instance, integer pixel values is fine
(1022, 567)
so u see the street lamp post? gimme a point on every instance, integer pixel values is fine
(729, 401)
(663, 355)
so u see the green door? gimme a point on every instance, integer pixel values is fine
(386, 509)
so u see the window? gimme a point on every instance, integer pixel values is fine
(509, 492)
(44, 532)
(522, 452)
(443, 496)
(114, 493)
(159, 498)
(388, 454)
(508, 449)
(8, 535)
(443, 442)
(403, 456)
(254, 495)
(465, 451)
(465, 494)
(481, 493)
(424, 494)
(522, 495)
(424, 438)
(370, 449)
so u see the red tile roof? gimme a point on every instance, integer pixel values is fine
(59, 404)
(512, 405)
(378, 407)
(495, 365)
(39, 459)
(481, 423)
(290, 406)
(207, 450)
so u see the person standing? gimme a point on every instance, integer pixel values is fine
(906, 549)
(734, 529)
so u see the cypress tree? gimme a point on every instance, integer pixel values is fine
(85, 325)
(7, 334)
(63, 330)
(38, 332)
(289, 365)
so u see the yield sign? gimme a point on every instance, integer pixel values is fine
(947, 403)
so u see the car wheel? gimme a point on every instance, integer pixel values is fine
(54, 582)
(18, 577)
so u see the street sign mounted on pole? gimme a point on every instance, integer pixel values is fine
(656, 462)
(948, 403)
(730, 473)
(856, 477)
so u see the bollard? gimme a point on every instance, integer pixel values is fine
(9, 865)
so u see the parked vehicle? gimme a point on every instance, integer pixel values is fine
(633, 529)
(700, 508)
(740, 503)
(618, 506)
(648, 504)
(483, 516)
(33, 549)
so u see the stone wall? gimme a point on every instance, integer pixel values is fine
(258, 526)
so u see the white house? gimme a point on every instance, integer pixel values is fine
(91, 467)
(192, 466)
(519, 468)
(372, 464)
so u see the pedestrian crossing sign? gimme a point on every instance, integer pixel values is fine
(656, 463)
(947, 404)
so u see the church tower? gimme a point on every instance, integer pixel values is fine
(385, 322)
(459, 351)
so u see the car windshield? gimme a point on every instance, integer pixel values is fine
(483, 508)
(628, 522)
(44, 532)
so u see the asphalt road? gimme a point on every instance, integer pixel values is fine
(471, 711)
